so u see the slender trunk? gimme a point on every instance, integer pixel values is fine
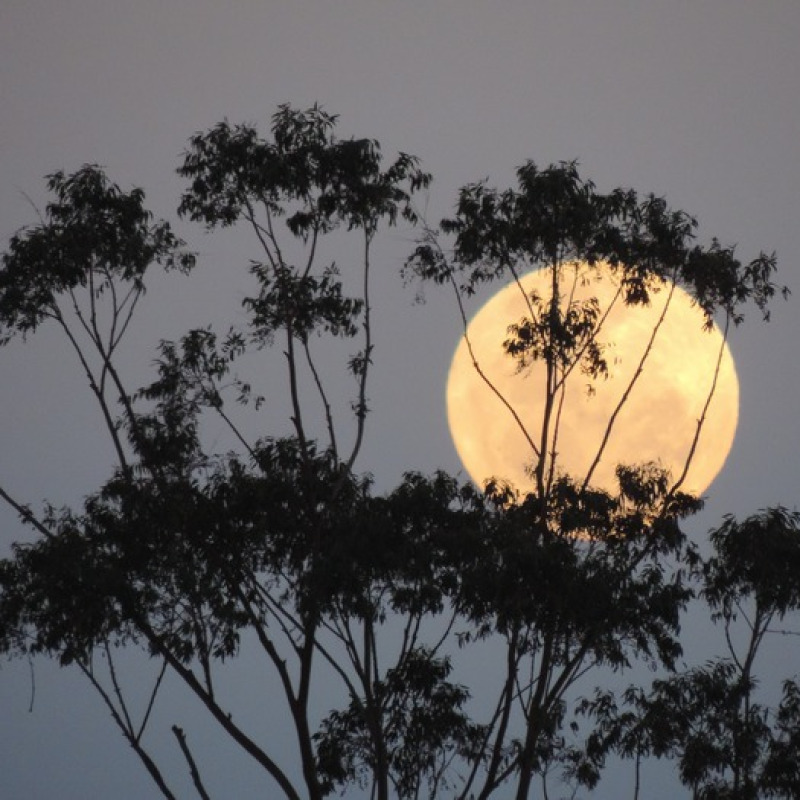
(374, 717)
(535, 719)
(499, 739)
(299, 709)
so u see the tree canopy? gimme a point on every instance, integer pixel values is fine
(367, 606)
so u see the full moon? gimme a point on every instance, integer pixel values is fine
(658, 422)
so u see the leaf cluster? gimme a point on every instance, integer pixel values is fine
(556, 217)
(92, 234)
(305, 174)
(727, 743)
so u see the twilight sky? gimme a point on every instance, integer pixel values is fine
(693, 101)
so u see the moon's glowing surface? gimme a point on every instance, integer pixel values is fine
(657, 423)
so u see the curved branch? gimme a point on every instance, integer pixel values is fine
(704, 414)
(628, 389)
(485, 378)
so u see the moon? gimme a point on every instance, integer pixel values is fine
(657, 423)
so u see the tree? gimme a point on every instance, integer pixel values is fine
(726, 742)
(556, 221)
(282, 547)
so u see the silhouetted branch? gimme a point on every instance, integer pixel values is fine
(628, 389)
(198, 783)
(26, 514)
(704, 413)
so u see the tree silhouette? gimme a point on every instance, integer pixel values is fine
(375, 602)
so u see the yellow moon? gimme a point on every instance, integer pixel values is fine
(657, 423)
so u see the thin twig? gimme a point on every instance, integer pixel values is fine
(152, 701)
(233, 730)
(324, 397)
(96, 390)
(704, 414)
(26, 514)
(628, 389)
(198, 783)
(33, 684)
(148, 762)
(483, 376)
(117, 689)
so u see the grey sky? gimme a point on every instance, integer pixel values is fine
(695, 101)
